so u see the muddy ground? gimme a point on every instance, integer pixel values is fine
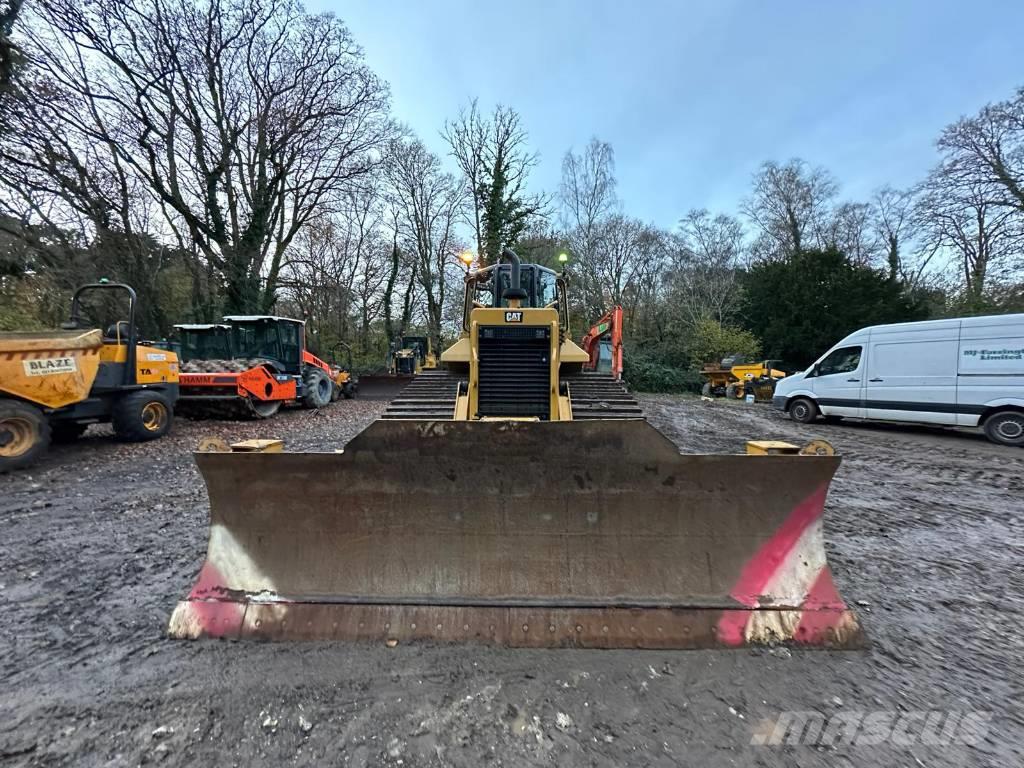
(98, 542)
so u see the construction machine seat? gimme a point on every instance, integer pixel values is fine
(118, 332)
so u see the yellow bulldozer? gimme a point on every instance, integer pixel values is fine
(510, 497)
(412, 355)
(408, 357)
(54, 384)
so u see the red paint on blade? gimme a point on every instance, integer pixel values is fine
(209, 583)
(216, 617)
(823, 609)
(760, 569)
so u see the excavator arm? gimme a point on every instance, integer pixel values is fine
(610, 326)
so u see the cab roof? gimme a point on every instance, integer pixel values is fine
(255, 318)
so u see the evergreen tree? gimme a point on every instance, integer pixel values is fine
(802, 305)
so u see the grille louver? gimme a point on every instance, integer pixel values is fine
(515, 371)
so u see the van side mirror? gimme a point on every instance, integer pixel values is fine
(813, 371)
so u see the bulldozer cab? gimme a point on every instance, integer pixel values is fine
(514, 348)
(279, 340)
(418, 345)
(488, 287)
(410, 355)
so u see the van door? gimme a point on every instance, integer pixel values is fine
(912, 376)
(991, 365)
(837, 380)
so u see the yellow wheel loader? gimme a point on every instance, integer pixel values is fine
(53, 384)
(513, 498)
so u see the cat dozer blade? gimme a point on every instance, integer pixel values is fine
(578, 533)
(382, 386)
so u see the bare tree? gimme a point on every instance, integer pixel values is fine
(467, 136)
(703, 270)
(243, 120)
(627, 257)
(849, 229)
(966, 218)
(318, 275)
(908, 258)
(990, 147)
(427, 203)
(789, 206)
(495, 163)
(587, 190)
(336, 268)
(373, 255)
(59, 177)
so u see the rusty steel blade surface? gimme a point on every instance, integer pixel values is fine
(596, 533)
(381, 386)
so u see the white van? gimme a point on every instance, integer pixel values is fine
(965, 372)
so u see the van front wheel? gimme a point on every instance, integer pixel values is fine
(803, 410)
(1005, 428)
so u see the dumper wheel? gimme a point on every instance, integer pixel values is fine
(67, 431)
(141, 415)
(349, 390)
(730, 392)
(318, 386)
(24, 435)
(335, 392)
(706, 389)
(803, 410)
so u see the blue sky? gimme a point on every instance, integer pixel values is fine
(693, 96)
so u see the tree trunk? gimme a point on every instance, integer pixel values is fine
(389, 290)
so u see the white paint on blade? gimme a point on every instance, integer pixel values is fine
(793, 579)
(232, 562)
(788, 588)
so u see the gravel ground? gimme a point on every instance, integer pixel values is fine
(101, 539)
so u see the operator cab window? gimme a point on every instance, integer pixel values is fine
(484, 295)
(418, 345)
(258, 339)
(548, 287)
(290, 343)
(842, 360)
(525, 282)
(540, 285)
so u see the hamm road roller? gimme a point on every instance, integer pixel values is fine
(513, 498)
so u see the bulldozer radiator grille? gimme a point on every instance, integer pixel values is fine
(515, 371)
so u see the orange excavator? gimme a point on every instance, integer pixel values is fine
(603, 343)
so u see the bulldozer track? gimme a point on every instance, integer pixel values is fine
(598, 396)
(432, 396)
